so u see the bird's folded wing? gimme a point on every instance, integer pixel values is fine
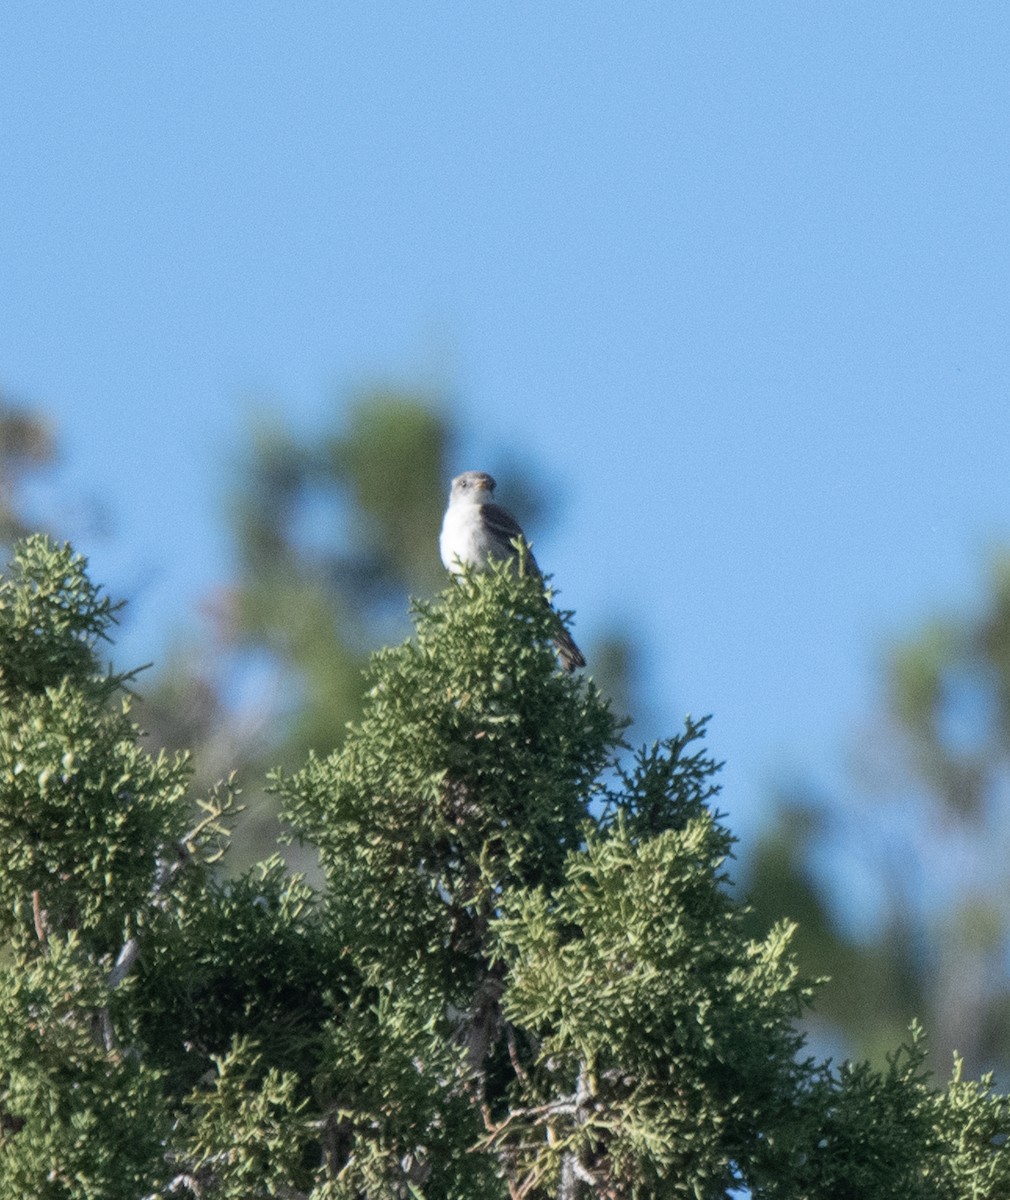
(503, 527)
(500, 523)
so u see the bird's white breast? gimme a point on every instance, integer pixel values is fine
(463, 537)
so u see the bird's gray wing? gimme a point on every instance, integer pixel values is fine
(503, 527)
(501, 523)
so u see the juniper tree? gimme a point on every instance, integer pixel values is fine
(526, 977)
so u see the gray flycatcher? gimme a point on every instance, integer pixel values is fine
(474, 530)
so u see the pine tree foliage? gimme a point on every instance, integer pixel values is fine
(527, 976)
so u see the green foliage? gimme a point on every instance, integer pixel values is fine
(51, 618)
(79, 1119)
(127, 967)
(246, 1134)
(972, 1125)
(250, 958)
(667, 1035)
(473, 767)
(78, 798)
(864, 1134)
(526, 978)
(401, 1115)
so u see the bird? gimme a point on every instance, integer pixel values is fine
(475, 530)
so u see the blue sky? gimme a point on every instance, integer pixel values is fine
(736, 273)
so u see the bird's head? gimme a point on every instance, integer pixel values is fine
(472, 487)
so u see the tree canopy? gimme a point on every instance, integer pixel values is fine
(526, 975)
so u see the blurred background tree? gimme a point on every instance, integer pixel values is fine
(27, 447)
(902, 887)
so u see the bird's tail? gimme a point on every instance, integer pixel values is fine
(569, 654)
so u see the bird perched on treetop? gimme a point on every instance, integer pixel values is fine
(474, 529)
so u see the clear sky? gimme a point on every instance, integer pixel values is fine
(737, 273)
